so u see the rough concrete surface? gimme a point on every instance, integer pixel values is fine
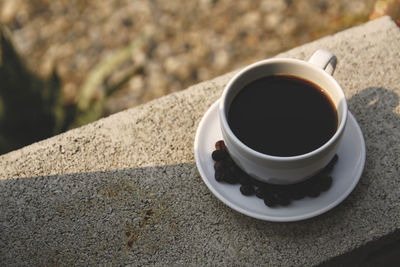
(125, 189)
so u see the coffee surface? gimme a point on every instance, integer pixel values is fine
(282, 115)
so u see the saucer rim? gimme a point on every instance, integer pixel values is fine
(333, 203)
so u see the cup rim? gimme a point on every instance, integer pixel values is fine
(224, 121)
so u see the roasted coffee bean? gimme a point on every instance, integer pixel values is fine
(313, 191)
(297, 194)
(219, 155)
(285, 192)
(272, 188)
(240, 175)
(218, 165)
(270, 201)
(228, 161)
(326, 183)
(312, 180)
(273, 195)
(247, 190)
(296, 191)
(220, 145)
(230, 179)
(284, 201)
(234, 170)
(256, 182)
(243, 179)
(261, 192)
(277, 190)
(219, 175)
(278, 198)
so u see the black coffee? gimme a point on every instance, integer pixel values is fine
(282, 115)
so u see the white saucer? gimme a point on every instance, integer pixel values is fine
(346, 175)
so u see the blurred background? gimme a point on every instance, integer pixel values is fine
(65, 63)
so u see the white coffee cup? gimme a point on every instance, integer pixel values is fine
(291, 169)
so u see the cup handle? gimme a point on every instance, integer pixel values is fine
(324, 60)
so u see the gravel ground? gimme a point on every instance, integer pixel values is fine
(187, 41)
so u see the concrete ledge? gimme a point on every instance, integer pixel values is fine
(125, 189)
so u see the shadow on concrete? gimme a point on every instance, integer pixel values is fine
(161, 214)
(374, 109)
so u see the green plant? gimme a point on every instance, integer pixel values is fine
(30, 106)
